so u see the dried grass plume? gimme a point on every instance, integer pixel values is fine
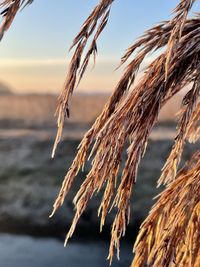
(170, 235)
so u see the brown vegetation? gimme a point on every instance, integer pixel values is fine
(131, 115)
(170, 234)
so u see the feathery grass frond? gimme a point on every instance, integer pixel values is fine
(95, 23)
(132, 116)
(181, 13)
(193, 132)
(77, 69)
(191, 100)
(170, 236)
(8, 9)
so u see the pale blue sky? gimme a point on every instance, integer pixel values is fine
(33, 53)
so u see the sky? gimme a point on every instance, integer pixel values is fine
(34, 53)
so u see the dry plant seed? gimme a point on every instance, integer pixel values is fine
(170, 235)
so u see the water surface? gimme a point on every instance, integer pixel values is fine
(26, 251)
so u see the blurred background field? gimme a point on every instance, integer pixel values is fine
(30, 180)
(32, 110)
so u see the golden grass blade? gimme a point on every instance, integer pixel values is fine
(9, 13)
(9, 9)
(132, 116)
(193, 133)
(77, 66)
(170, 236)
(170, 168)
(181, 13)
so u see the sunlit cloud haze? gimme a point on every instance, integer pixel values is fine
(47, 75)
(34, 53)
